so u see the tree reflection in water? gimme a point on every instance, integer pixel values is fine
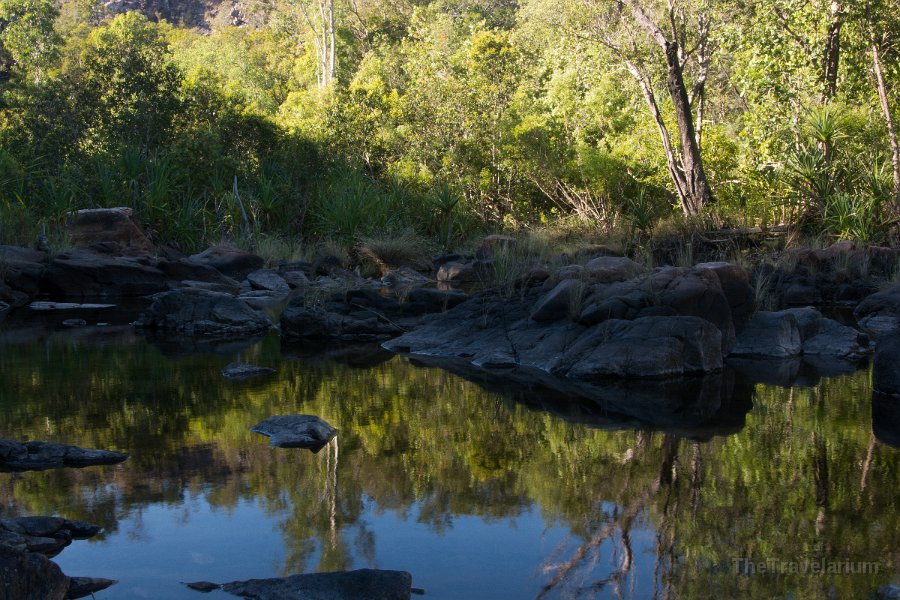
(801, 476)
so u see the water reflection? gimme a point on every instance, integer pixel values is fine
(480, 490)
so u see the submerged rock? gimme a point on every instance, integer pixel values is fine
(362, 584)
(38, 456)
(296, 431)
(238, 371)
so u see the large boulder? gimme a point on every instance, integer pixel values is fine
(26, 572)
(111, 230)
(302, 322)
(232, 262)
(561, 302)
(799, 332)
(607, 269)
(879, 313)
(21, 268)
(197, 313)
(82, 274)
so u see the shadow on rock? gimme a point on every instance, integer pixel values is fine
(358, 356)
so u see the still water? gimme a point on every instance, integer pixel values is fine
(477, 493)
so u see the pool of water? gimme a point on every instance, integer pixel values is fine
(478, 491)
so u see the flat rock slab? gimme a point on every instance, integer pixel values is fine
(363, 584)
(296, 431)
(38, 456)
(238, 371)
(48, 306)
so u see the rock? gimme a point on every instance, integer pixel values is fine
(80, 274)
(238, 371)
(422, 301)
(37, 456)
(82, 587)
(296, 431)
(329, 266)
(404, 277)
(363, 584)
(836, 340)
(51, 306)
(608, 269)
(457, 272)
(770, 334)
(879, 314)
(268, 280)
(296, 279)
(22, 269)
(886, 366)
(203, 586)
(197, 313)
(491, 243)
(26, 572)
(232, 262)
(111, 227)
(74, 323)
(30, 576)
(560, 302)
(645, 347)
(186, 270)
(220, 288)
(735, 283)
(301, 322)
(262, 299)
(697, 292)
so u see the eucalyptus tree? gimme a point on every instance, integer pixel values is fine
(27, 36)
(657, 41)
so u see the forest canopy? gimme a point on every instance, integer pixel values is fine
(343, 118)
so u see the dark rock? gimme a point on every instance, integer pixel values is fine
(30, 576)
(296, 431)
(561, 302)
(208, 286)
(232, 262)
(836, 340)
(404, 277)
(886, 366)
(263, 299)
(203, 586)
(238, 371)
(429, 300)
(195, 312)
(295, 279)
(80, 274)
(65, 306)
(770, 334)
(268, 280)
(187, 270)
(82, 587)
(608, 269)
(457, 272)
(37, 456)
(697, 293)
(735, 284)
(363, 584)
(300, 322)
(74, 323)
(329, 266)
(880, 313)
(22, 269)
(112, 229)
(889, 592)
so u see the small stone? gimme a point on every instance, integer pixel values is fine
(74, 323)
(203, 586)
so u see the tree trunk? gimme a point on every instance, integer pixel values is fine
(886, 109)
(697, 192)
(332, 46)
(832, 57)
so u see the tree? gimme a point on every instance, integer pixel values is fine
(876, 42)
(27, 37)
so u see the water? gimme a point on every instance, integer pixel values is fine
(477, 493)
